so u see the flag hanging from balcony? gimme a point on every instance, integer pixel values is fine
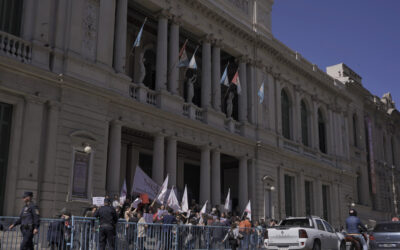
(227, 200)
(261, 93)
(139, 36)
(248, 210)
(236, 81)
(163, 191)
(224, 78)
(183, 58)
(124, 191)
(172, 201)
(192, 63)
(185, 202)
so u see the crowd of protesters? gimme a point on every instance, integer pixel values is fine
(218, 228)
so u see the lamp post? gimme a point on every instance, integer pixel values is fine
(268, 189)
(350, 202)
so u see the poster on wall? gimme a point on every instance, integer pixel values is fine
(80, 176)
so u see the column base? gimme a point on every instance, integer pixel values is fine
(247, 130)
(213, 117)
(40, 55)
(169, 102)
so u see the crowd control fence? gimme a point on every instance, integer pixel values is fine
(82, 233)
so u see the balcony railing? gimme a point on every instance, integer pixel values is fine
(15, 47)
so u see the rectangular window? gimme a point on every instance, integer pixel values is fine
(80, 174)
(325, 202)
(289, 195)
(11, 16)
(308, 195)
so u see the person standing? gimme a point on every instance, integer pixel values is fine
(108, 220)
(29, 219)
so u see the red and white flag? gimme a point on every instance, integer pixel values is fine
(236, 81)
(248, 210)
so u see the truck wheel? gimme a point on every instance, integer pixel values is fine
(316, 246)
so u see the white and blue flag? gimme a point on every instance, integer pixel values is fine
(224, 78)
(139, 36)
(261, 93)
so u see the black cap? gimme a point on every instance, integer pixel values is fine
(27, 193)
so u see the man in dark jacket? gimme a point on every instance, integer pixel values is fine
(55, 234)
(108, 220)
(29, 220)
(353, 226)
(218, 233)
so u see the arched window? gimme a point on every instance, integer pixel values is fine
(321, 132)
(285, 109)
(355, 135)
(304, 124)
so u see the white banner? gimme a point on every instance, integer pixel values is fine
(98, 201)
(143, 184)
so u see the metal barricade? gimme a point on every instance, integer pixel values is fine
(51, 234)
(82, 233)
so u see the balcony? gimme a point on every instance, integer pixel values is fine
(15, 47)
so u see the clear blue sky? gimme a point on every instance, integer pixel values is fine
(363, 34)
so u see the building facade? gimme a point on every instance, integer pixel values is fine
(81, 108)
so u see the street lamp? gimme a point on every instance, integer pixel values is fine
(268, 188)
(350, 201)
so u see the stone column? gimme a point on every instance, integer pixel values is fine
(243, 186)
(162, 48)
(171, 161)
(271, 103)
(28, 13)
(158, 159)
(216, 76)
(216, 178)
(49, 165)
(301, 198)
(252, 92)
(278, 116)
(329, 133)
(318, 197)
(297, 115)
(242, 102)
(205, 175)
(28, 170)
(173, 56)
(105, 43)
(314, 125)
(114, 158)
(120, 36)
(206, 73)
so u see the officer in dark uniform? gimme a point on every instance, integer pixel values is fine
(108, 221)
(29, 220)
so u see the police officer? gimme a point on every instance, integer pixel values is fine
(29, 220)
(108, 220)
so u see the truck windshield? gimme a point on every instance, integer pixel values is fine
(296, 223)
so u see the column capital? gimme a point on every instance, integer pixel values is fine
(242, 59)
(217, 43)
(164, 13)
(116, 122)
(208, 38)
(205, 147)
(53, 104)
(34, 99)
(177, 20)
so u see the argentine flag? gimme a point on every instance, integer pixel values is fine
(224, 78)
(192, 63)
(261, 93)
(139, 36)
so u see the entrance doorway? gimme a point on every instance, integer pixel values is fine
(5, 129)
(230, 179)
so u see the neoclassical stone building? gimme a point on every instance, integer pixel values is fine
(70, 78)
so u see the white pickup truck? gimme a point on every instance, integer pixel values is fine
(304, 233)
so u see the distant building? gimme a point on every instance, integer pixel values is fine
(80, 108)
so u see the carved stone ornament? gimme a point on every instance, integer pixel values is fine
(90, 26)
